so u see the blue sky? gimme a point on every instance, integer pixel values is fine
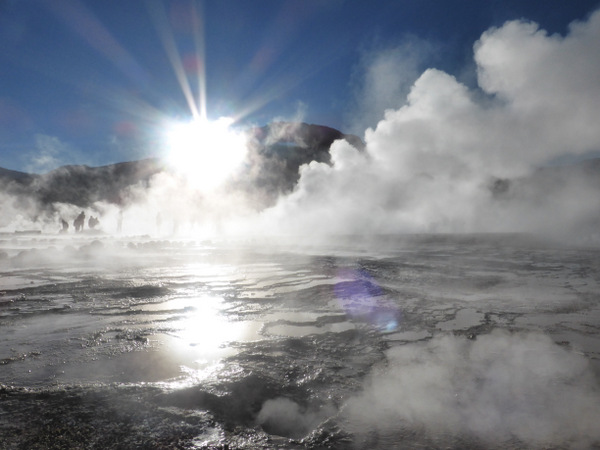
(93, 82)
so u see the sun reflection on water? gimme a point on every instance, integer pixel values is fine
(204, 335)
(204, 326)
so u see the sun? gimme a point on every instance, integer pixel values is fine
(206, 152)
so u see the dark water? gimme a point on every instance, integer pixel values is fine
(395, 342)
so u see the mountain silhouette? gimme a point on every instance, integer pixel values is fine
(275, 154)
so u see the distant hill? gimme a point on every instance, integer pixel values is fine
(315, 139)
(16, 177)
(83, 185)
(275, 153)
(79, 185)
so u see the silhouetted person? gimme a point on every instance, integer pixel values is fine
(79, 222)
(93, 222)
(65, 226)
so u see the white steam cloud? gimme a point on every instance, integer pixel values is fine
(285, 417)
(428, 165)
(496, 388)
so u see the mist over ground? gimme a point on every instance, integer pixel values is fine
(497, 387)
(436, 341)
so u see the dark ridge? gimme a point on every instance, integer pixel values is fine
(313, 138)
(84, 185)
(76, 185)
(277, 150)
(275, 154)
(10, 176)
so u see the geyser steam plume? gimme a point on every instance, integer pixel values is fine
(429, 165)
(496, 388)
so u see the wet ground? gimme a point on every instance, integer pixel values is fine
(477, 341)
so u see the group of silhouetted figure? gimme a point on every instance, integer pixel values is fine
(79, 223)
(93, 222)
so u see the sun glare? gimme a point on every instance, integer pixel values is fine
(206, 152)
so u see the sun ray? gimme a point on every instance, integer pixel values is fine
(198, 29)
(168, 40)
(82, 21)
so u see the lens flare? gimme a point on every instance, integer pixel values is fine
(362, 298)
(206, 152)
